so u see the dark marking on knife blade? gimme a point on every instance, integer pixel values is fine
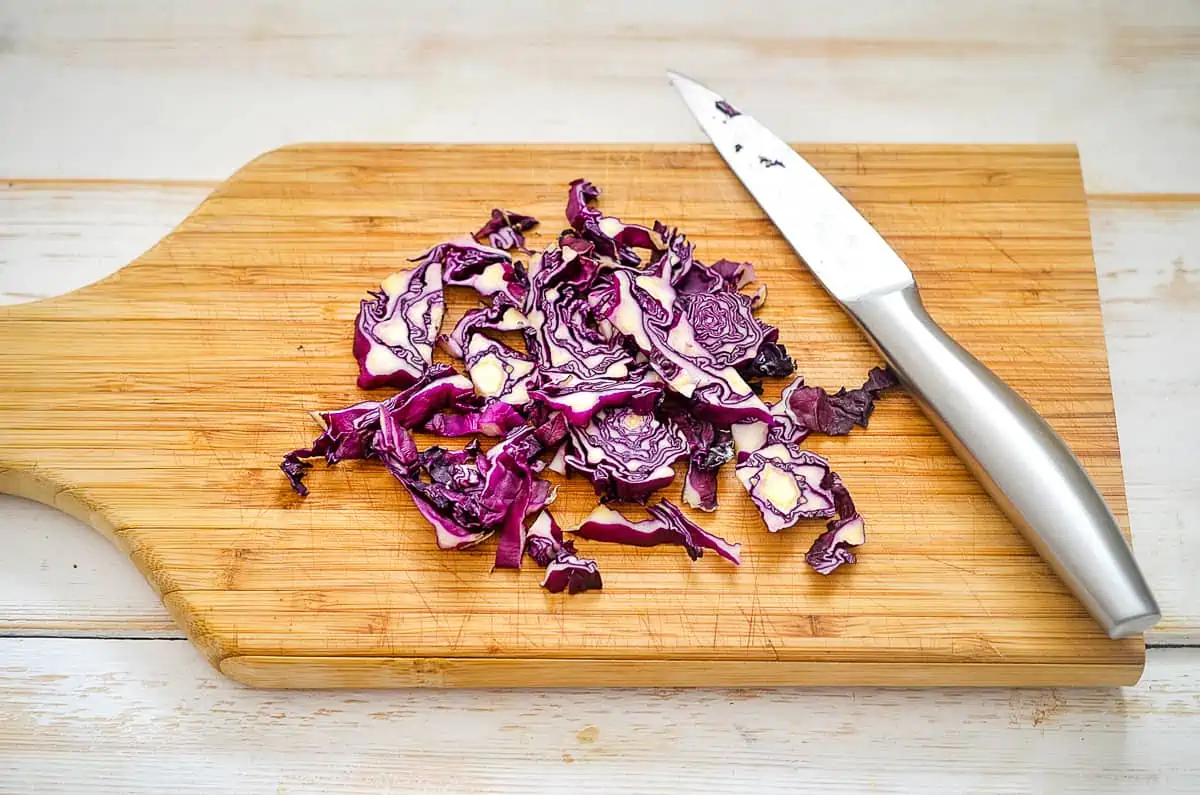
(727, 109)
(737, 147)
(769, 163)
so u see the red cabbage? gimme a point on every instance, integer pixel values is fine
(470, 495)
(580, 399)
(544, 540)
(440, 388)
(506, 229)
(611, 237)
(637, 355)
(814, 409)
(647, 314)
(787, 484)
(487, 270)
(558, 461)
(541, 494)
(563, 334)
(626, 454)
(724, 326)
(666, 525)
(451, 499)
(736, 275)
(832, 548)
(397, 326)
(771, 360)
(709, 448)
(499, 372)
(349, 432)
(727, 109)
(759, 298)
(565, 570)
(502, 315)
(494, 419)
(548, 430)
(572, 574)
(394, 445)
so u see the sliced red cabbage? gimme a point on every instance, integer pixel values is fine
(694, 535)
(736, 275)
(759, 298)
(565, 570)
(441, 388)
(451, 499)
(832, 548)
(541, 494)
(816, 410)
(646, 313)
(666, 525)
(502, 315)
(470, 495)
(771, 360)
(709, 448)
(572, 574)
(558, 462)
(549, 428)
(487, 270)
(722, 276)
(507, 466)
(627, 455)
(499, 372)
(724, 325)
(506, 229)
(397, 326)
(544, 540)
(494, 419)
(633, 361)
(580, 398)
(679, 263)
(562, 333)
(348, 433)
(394, 445)
(748, 437)
(831, 414)
(787, 484)
(611, 237)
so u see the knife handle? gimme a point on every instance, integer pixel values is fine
(1018, 458)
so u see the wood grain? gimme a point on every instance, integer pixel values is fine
(154, 404)
(151, 716)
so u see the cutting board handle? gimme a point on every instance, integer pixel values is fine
(41, 394)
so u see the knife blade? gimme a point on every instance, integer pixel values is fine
(1015, 454)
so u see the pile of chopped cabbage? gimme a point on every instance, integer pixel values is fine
(637, 356)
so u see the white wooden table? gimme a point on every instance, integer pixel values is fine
(116, 120)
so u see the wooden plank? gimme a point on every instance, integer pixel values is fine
(77, 711)
(132, 91)
(1150, 290)
(237, 335)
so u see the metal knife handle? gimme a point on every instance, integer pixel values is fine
(1017, 457)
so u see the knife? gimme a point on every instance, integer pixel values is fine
(1021, 462)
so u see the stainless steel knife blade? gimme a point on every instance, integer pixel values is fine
(839, 246)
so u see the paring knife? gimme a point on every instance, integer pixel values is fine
(1017, 457)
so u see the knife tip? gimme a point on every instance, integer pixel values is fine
(675, 78)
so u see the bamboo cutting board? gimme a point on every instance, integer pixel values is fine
(155, 405)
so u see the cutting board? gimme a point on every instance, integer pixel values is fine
(155, 404)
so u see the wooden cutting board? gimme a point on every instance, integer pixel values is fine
(155, 405)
